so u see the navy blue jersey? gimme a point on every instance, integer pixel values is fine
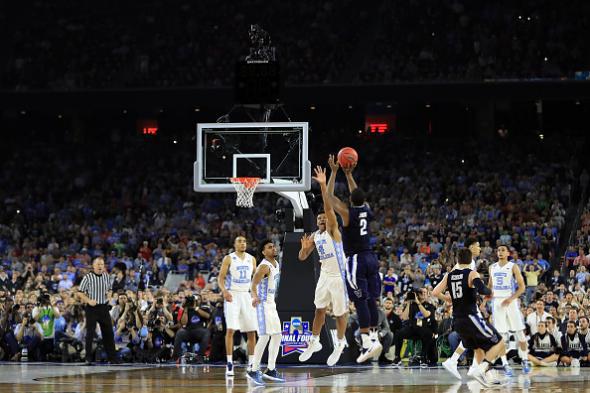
(357, 235)
(464, 298)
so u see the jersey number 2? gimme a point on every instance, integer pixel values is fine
(363, 224)
(457, 288)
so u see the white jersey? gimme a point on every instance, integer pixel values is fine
(331, 254)
(503, 281)
(239, 274)
(269, 285)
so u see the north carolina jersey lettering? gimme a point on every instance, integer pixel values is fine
(331, 254)
(269, 285)
(502, 280)
(239, 275)
(357, 235)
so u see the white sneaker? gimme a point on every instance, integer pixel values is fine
(451, 366)
(576, 363)
(367, 353)
(335, 355)
(229, 370)
(480, 376)
(313, 347)
(495, 379)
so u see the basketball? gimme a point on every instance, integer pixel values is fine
(347, 157)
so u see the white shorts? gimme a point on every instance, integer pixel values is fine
(331, 289)
(239, 313)
(507, 319)
(268, 319)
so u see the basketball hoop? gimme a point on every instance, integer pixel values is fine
(245, 187)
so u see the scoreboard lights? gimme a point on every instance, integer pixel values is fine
(147, 127)
(379, 124)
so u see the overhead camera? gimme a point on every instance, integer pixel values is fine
(261, 50)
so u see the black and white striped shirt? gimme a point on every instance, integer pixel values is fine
(97, 286)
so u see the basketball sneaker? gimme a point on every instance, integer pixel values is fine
(255, 377)
(508, 372)
(472, 369)
(451, 366)
(335, 355)
(480, 376)
(313, 347)
(273, 375)
(229, 370)
(366, 353)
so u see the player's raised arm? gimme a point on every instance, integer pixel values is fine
(440, 289)
(260, 273)
(332, 222)
(349, 179)
(307, 247)
(221, 279)
(334, 166)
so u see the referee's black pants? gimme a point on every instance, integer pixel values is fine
(100, 314)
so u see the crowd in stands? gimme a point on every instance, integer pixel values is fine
(135, 208)
(61, 46)
(458, 40)
(170, 44)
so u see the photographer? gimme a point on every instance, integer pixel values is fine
(218, 329)
(195, 319)
(159, 340)
(46, 313)
(419, 322)
(28, 335)
(127, 333)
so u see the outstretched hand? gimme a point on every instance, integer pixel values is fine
(320, 175)
(334, 165)
(306, 241)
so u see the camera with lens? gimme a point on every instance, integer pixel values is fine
(189, 301)
(411, 296)
(44, 300)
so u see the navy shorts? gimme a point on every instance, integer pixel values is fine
(362, 276)
(476, 333)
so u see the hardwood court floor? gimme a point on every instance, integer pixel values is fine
(33, 378)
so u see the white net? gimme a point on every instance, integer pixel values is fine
(245, 187)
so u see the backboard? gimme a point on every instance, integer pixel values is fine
(275, 152)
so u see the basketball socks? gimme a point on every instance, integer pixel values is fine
(455, 357)
(273, 351)
(229, 359)
(366, 340)
(504, 360)
(254, 360)
(315, 338)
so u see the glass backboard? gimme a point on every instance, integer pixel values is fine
(275, 152)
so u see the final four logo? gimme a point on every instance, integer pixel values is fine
(295, 336)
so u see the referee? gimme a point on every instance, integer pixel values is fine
(93, 291)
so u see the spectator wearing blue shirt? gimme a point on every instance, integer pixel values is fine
(389, 281)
